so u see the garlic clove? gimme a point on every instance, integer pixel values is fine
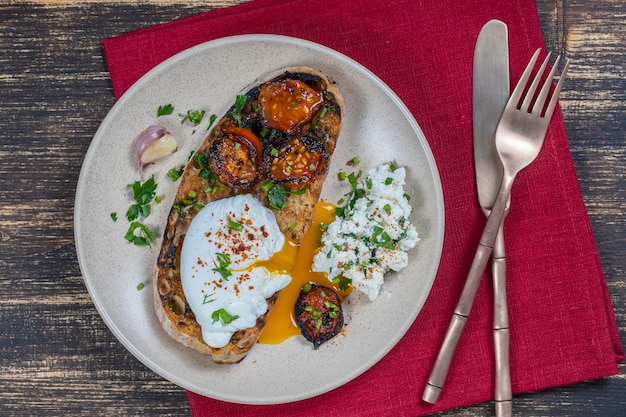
(160, 148)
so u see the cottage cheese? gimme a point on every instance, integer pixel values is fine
(373, 236)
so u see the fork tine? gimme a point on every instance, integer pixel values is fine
(557, 91)
(521, 84)
(530, 94)
(543, 94)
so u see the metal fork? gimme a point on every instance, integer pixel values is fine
(519, 138)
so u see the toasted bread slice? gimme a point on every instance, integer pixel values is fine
(294, 212)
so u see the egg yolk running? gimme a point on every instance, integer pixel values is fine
(281, 324)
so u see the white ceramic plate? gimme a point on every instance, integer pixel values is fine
(377, 128)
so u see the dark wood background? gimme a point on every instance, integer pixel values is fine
(57, 357)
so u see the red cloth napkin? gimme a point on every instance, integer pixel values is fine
(562, 324)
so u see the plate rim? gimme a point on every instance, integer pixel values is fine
(163, 66)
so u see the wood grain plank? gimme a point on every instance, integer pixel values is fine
(58, 357)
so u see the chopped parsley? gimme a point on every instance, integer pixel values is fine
(143, 194)
(175, 173)
(165, 110)
(207, 298)
(277, 196)
(194, 117)
(222, 269)
(205, 171)
(355, 193)
(212, 119)
(342, 282)
(240, 102)
(381, 238)
(139, 234)
(224, 316)
(114, 216)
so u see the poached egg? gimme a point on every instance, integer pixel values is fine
(224, 272)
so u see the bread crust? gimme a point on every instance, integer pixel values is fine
(172, 309)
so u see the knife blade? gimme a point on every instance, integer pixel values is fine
(490, 93)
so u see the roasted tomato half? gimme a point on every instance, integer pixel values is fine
(318, 313)
(235, 157)
(294, 159)
(285, 105)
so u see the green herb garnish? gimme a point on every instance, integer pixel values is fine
(277, 196)
(267, 186)
(143, 194)
(224, 262)
(224, 316)
(355, 193)
(342, 282)
(212, 119)
(381, 238)
(165, 110)
(142, 238)
(240, 102)
(114, 216)
(235, 226)
(321, 114)
(207, 298)
(205, 171)
(175, 173)
(192, 200)
(140, 286)
(194, 117)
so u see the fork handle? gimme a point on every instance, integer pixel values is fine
(439, 372)
(503, 394)
(455, 328)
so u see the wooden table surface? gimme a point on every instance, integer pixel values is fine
(57, 357)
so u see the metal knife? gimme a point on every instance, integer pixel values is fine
(490, 94)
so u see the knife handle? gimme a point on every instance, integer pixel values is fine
(503, 394)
